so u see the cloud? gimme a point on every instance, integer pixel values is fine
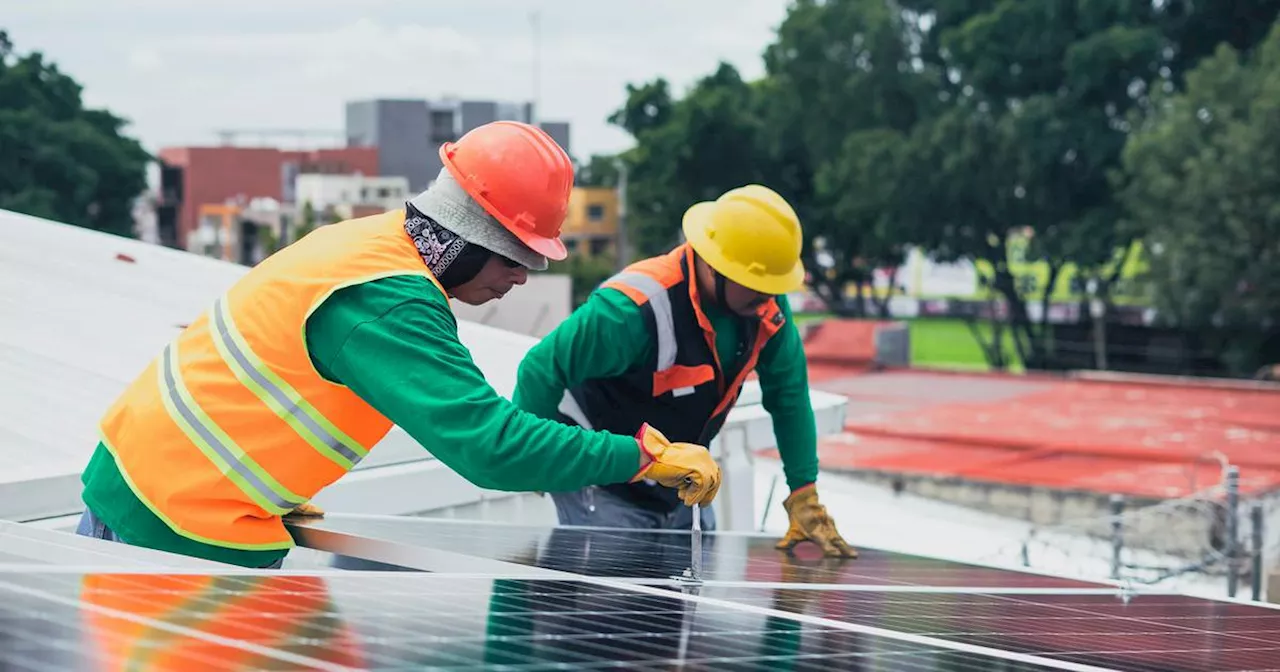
(144, 59)
(295, 63)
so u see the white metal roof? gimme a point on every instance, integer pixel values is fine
(78, 322)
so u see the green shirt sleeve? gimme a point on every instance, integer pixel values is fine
(603, 338)
(784, 388)
(394, 342)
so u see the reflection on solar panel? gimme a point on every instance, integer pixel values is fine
(1146, 632)
(664, 554)
(521, 598)
(370, 620)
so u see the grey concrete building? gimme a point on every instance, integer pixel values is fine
(408, 133)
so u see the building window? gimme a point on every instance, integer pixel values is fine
(595, 212)
(442, 126)
(600, 245)
(571, 245)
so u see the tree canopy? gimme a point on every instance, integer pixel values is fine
(59, 159)
(1203, 186)
(988, 132)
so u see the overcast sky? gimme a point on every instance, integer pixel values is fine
(181, 70)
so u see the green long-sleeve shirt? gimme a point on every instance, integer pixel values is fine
(394, 342)
(607, 336)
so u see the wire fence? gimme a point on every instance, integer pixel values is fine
(1212, 534)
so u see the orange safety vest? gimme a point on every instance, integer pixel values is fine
(231, 426)
(185, 622)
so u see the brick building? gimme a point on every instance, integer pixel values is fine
(194, 176)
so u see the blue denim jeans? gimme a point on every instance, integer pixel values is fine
(91, 526)
(596, 507)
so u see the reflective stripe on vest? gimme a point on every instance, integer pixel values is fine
(570, 407)
(279, 396)
(230, 458)
(660, 303)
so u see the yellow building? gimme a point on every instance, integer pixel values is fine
(591, 224)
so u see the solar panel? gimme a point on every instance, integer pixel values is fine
(370, 620)
(1143, 632)
(522, 598)
(643, 555)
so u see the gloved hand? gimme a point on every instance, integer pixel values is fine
(810, 522)
(685, 466)
(306, 510)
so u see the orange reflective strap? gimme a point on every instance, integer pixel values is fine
(680, 380)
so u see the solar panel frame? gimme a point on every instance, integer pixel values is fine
(27, 545)
(648, 556)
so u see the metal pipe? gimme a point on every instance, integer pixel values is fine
(1255, 517)
(1233, 529)
(1117, 533)
(768, 502)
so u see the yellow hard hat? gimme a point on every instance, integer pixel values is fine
(751, 236)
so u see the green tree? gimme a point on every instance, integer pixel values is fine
(600, 171)
(687, 151)
(841, 96)
(1038, 100)
(1202, 183)
(58, 159)
(306, 220)
(585, 272)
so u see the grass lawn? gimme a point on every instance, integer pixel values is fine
(948, 343)
(942, 343)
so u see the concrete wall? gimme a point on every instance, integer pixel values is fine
(362, 123)
(533, 309)
(404, 142)
(559, 131)
(401, 130)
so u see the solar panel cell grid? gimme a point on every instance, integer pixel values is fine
(1163, 633)
(371, 621)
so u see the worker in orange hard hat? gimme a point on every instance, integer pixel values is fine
(304, 364)
(670, 341)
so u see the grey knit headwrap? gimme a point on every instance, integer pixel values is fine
(449, 205)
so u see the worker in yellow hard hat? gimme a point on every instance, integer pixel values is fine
(669, 342)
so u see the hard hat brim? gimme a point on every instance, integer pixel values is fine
(696, 223)
(551, 248)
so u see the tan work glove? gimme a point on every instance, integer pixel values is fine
(306, 510)
(810, 522)
(685, 466)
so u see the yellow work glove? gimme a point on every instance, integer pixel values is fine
(306, 510)
(685, 466)
(810, 522)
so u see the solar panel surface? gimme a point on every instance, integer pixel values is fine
(654, 555)
(368, 620)
(1147, 632)
(502, 607)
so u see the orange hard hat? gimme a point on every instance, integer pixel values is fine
(520, 176)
